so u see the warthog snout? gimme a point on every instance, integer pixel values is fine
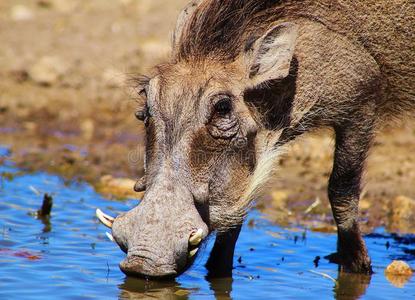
(145, 263)
(161, 236)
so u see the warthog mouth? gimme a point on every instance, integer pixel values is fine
(140, 264)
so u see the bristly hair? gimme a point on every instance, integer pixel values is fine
(138, 84)
(222, 28)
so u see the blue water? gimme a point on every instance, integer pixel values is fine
(71, 258)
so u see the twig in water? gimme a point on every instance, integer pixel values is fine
(108, 270)
(46, 208)
(312, 206)
(324, 275)
(34, 190)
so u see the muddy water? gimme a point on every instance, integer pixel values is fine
(69, 257)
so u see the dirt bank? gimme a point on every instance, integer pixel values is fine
(67, 106)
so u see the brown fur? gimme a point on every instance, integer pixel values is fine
(222, 29)
(282, 68)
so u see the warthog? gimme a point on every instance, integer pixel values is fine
(245, 78)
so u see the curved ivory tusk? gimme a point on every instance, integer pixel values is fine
(196, 237)
(110, 237)
(193, 252)
(104, 218)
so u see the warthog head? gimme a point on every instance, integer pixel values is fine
(209, 143)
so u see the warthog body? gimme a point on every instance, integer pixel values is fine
(245, 78)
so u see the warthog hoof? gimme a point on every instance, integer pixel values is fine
(358, 264)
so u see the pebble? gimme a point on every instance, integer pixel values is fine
(114, 78)
(279, 199)
(402, 217)
(399, 267)
(364, 204)
(87, 128)
(63, 6)
(21, 13)
(155, 49)
(48, 70)
(398, 273)
(118, 187)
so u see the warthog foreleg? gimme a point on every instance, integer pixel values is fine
(353, 140)
(220, 263)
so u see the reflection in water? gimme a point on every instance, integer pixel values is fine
(348, 286)
(134, 288)
(43, 214)
(351, 286)
(398, 273)
(47, 226)
(398, 280)
(69, 250)
(221, 288)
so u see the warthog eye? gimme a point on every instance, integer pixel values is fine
(140, 115)
(223, 123)
(143, 115)
(223, 106)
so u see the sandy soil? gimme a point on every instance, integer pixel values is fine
(67, 105)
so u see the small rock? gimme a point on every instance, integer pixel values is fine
(114, 78)
(21, 13)
(19, 75)
(364, 204)
(143, 7)
(3, 109)
(181, 293)
(398, 273)
(279, 199)
(402, 218)
(30, 126)
(399, 267)
(118, 187)
(87, 128)
(155, 49)
(324, 228)
(48, 70)
(122, 183)
(126, 2)
(44, 3)
(63, 6)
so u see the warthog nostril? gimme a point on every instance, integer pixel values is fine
(104, 218)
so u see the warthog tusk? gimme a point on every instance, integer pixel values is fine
(196, 237)
(104, 218)
(193, 252)
(110, 237)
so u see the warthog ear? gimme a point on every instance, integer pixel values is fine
(272, 53)
(183, 20)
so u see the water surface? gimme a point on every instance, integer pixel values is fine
(69, 256)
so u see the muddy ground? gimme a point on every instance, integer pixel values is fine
(67, 107)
